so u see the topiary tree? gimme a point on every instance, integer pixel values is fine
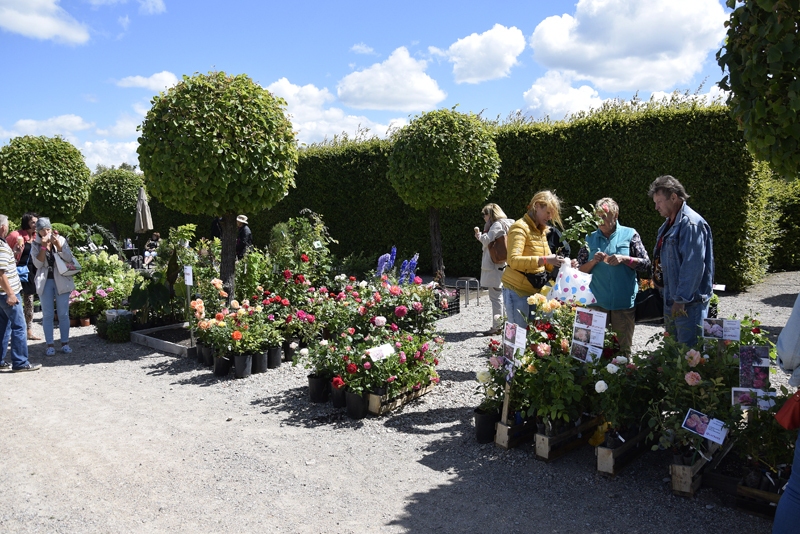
(43, 174)
(762, 55)
(112, 199)
(218, 145)
(443, 159)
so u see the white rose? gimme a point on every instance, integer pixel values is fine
(483, 376)
(620, 360)
(324, 343)
(362, 284)
(600, 386)
(490, 393)
(611, 368)
(380, 320)
(303, 352)
(293, 345)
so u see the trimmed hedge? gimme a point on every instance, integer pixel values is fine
(617, 151)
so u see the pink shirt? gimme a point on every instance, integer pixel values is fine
(11, 239)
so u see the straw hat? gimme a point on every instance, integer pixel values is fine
(242, 219)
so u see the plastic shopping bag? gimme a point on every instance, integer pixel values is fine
(573, 285)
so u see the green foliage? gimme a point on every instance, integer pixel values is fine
(217, 144)
(443, 159)
(785, 200)
(302, 245)
(43, 174)
(118, 331)
(113, 197)
(762, 56)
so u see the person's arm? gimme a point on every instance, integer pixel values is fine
(11, 298)
(638, 260)
(585, 265)
(494, 232)
(526, 264)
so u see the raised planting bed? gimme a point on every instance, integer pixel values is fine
(171, 339)
(380, 404)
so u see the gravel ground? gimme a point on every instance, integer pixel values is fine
(115, 438)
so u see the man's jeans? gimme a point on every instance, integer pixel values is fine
(13, 319)
(789, 508)
(517, 308)
(686, 328)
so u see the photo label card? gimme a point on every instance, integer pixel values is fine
(380, 352)
(722, 329)
(588, 334)
(514, 338)
(188, 278)
(746, 398)
(749, 357)
(699, 423)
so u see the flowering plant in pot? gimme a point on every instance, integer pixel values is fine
(621, 394)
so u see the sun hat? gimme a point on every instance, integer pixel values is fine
(42, 223)
(242, 219)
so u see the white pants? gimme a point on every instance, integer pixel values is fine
(496, 298)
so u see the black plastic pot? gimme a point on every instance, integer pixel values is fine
(318, 388)
(242, 365)
(486, 425)
(288, 351)
(208, 356)
(274, 357)
(222, 366)
(259, 363)
(356, 405)
(339, 397)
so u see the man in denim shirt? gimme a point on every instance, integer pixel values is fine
(683, 260)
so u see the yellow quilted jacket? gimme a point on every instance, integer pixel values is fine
(526, 244)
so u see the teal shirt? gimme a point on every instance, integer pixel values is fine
(614, 287)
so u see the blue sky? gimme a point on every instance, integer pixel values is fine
(87, 69)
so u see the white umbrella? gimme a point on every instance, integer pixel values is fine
(144, 222)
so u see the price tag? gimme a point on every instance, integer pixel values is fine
(187, 275)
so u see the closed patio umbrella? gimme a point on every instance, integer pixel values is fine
(144, 222)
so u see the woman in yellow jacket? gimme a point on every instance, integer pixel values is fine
(529, 258)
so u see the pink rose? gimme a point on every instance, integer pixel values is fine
(417, 306)
(693, 358)
(367, 365)
(400, 311)
(394, 327)
(542, 349)
(692, 378)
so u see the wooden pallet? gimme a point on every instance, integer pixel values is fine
(612, 461)
(380, 404)
(549, 448)
(510, 434)
(686, 479)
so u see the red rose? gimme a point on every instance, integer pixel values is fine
(303, 258)
(299, 279)
(285, 302)
(289, 318)
(756, 330)
(352, 368)
(287, 274)
(337, 382)
(352, 278)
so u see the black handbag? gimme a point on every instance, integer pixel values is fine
(649, 306)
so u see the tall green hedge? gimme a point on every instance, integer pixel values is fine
(616, 151)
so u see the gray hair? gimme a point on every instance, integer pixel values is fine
(666, 185)
(3, 220)
(43, 223)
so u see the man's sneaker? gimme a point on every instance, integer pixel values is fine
(65, 349)
(5, 366)
(29, 367)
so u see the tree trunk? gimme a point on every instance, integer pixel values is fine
(436, 245)
(227, 266)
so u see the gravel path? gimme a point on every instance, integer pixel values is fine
(115, 438)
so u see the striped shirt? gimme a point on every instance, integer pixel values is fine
(8, 264)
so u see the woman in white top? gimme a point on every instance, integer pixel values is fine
(50, 284)
(496, 224)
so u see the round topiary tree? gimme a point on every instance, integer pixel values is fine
(443, 159)
(112, 199)
(218, 145)
(762, 55)
(43, 174)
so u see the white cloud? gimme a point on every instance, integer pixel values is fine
(152, 7)
(41, 19)
(64, 125)
(106, 2)
(712, 95)
(157, 82)
(553, 95)
(361, 48)
(399, 84)
(631, 44)
(124, 22)
(490, 55)
(125, 127)
(107, 153)
(314, 121)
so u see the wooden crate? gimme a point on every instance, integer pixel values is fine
(686, 479)
(509, 433)
(548, 448)
(380, 404)
(612, 461)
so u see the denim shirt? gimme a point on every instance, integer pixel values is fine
(687, 258)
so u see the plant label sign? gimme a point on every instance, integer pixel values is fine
(514, 338)
(747, 398)
(722, 329)
(699, 423)
(588, 334)
(380, 352)
(187, 275)
(754, 367)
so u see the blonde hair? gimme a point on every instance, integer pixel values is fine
(494, 212)
(607, 206)
(549, 200)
